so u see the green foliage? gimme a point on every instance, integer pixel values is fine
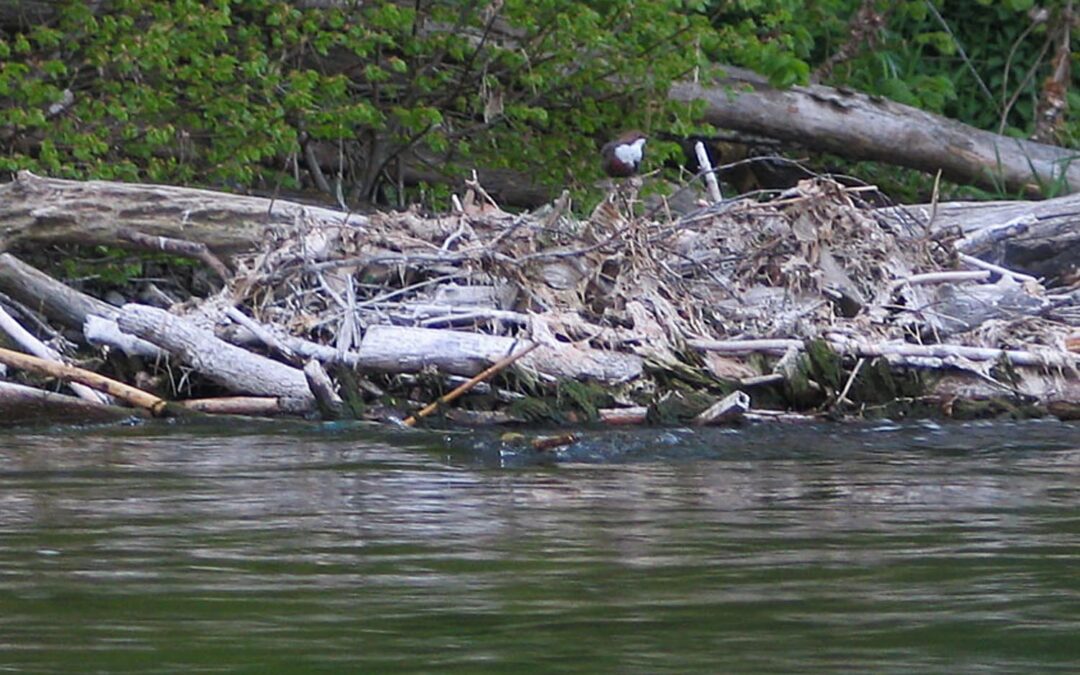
(983, 62)
(227, 92)
(106, 267)
(943, 68)
(231, 92)
(911, 57)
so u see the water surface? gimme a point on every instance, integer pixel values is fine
(289, 548)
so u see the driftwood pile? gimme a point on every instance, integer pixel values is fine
(785, 306)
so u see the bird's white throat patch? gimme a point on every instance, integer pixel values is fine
(630, 153)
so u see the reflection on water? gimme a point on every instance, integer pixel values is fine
(285, 548)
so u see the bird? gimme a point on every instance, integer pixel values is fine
(622, 156)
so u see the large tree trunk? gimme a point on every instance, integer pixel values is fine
(857, 126)
(36, 210)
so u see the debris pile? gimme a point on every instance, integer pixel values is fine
(807, 302)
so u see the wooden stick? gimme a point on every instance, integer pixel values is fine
(946, 277)
(710, 176)
(260, 331)
(972, 261)
(746, 346)
(761, 380)
(620, 416)
(27, 341)
(136, 397)
(850, 381)
(330, 405)
(259, 406)
(986, 236)
(181, 247)
(485, 374)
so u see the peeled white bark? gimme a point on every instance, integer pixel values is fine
(232, 367)
(399, 349)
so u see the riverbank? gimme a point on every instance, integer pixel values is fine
(808, 303)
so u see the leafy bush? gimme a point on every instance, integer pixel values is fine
(258, 93)
(232, 92)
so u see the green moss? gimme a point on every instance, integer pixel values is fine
(678, 406)
(825, 365)
(585, 398)
(349, 390)
(798, 391)
(997, 407)
(533, 409)
(879, 383)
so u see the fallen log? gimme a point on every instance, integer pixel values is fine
(105, 332)
(1017, 357)
(234, 368)
(46, 295)
(69, 307)
(20, 403)
(399, 349)
(330, 405)
(859, 126)
(37, 210)
(1038, 238)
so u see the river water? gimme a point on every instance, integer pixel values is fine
(295, 548)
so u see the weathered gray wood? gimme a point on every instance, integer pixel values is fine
(67, 306)
(42, 293)
(398, 349)
(34, 210)
(232, 367)
(1047, 386)
(728, 409)
(1044, 357)
(34, 346)
(1044, 240)
(105, 332)
(241, 335)
(859, 126)
(326, 398)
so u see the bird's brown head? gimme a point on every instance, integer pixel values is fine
(622, 156)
